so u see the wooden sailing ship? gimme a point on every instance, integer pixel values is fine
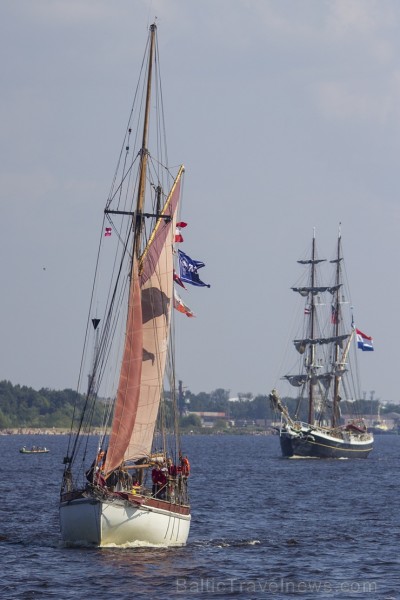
(132, 487)
(326, 375)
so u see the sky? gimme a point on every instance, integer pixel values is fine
(286, 114)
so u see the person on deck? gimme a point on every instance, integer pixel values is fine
(185, 466)
(162, 482)
(155, 476)
(172, 480)
(172, 470)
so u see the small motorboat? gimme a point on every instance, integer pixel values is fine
(34, 450)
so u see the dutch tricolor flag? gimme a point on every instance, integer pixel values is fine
(364, 342)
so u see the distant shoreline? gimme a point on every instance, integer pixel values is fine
(64, 431)
(37, 431)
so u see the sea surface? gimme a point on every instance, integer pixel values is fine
(262, 527)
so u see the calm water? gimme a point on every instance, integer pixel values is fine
(262, 527)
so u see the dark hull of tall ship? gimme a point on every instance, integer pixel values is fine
(314, 445)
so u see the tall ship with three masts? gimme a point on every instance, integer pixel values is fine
(127, 485)
(326, 376)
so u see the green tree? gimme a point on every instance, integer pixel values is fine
(220, 424)
(190, 421)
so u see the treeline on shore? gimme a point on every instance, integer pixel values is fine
(22, 406)
(246, 407)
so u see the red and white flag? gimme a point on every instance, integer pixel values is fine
(181, 306)
(178, 235)
(178, 280)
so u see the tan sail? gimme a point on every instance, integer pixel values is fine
(157, 298)
(146, 342)
(128, 392)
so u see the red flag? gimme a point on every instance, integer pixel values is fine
(181, 224)
(107, 231)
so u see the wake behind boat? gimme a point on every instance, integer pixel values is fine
(133, 489)
(326, 377)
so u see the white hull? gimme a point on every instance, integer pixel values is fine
(91, 521)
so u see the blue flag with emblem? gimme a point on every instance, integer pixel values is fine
(188, 270)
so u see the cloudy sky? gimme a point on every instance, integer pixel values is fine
(286, 114)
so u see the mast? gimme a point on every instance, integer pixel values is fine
(312, 329)
(144, 151)
(336, 319)
(128, 397)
